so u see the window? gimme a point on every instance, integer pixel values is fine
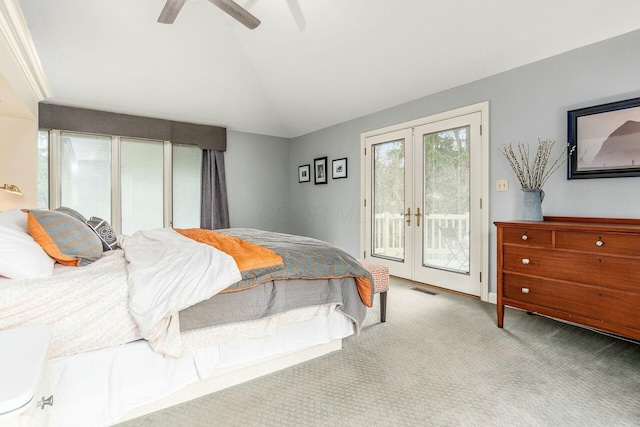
(85, 174)
(43, 169)
(142, 187)
(187, 168)
(134, 184)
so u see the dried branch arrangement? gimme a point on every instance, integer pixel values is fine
(533, 175)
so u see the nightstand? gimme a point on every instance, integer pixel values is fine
(23, 360)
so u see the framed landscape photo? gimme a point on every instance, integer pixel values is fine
(339, 168)
(604, 140)
(320, 170)
(304, 173)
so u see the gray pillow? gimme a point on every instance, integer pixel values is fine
(73, 213)
(104, 231)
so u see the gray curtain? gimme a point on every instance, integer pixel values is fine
(214, 210)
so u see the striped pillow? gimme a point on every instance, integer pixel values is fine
(64, 238)
(72, 212)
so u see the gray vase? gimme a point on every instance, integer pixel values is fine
(532, 204)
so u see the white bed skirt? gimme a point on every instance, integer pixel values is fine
(104, 387)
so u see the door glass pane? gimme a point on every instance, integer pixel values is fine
(446, 200)
(187, 164)
(388, 200)
(85, 162)
(142, 186)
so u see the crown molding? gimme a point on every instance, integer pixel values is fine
(16, 32)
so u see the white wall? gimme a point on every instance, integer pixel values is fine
(18, 161)
(526, 103)
(18, 132)
(257, 172)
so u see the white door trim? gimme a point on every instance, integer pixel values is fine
(483, 108)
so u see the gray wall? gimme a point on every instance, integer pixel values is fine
(257, 171)
(526, 103)
(331, 211)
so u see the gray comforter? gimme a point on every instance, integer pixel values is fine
(313, 273)
(272, 298)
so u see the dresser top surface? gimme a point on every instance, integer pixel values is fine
(578, 223)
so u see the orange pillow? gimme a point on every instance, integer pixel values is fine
(64, 238)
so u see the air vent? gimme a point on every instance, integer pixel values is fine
(424, 291)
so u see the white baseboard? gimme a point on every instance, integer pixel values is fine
(493, 298)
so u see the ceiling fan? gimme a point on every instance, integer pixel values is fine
(240, 14)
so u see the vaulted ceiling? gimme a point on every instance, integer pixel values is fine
(309, 65)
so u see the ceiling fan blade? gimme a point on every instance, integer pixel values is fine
(238, 13)
(170, 11)
(298, 16)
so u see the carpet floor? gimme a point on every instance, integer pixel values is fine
(439, 360)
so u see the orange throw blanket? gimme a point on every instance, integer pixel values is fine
(247, 255)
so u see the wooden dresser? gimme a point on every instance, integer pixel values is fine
(582, 270)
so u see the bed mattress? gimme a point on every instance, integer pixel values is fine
(86, 308)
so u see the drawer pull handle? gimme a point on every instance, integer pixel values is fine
(525, 261)
(525, 290)
(599, 243)
(525, 237)
(43, 402)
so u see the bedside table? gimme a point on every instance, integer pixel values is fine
(23, 360)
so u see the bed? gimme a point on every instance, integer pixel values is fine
(170, 316)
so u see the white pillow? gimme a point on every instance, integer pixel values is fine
(14, 219)
(21, 257)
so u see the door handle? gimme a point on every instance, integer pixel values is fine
(408, 216)
(418, 215)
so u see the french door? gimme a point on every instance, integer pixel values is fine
(422, 190)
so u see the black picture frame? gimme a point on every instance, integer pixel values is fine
(604, 140)
(304, 173)
(339, 168)
(320, 170)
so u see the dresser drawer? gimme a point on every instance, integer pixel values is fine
(545, 293)
(613, 272)
(38, 414)
(527, 236)
(605, 243)
(600, 304)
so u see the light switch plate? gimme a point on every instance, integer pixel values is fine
(502, 185)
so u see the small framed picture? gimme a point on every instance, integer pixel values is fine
(339, 169)
(320, 169)
(304, 173)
